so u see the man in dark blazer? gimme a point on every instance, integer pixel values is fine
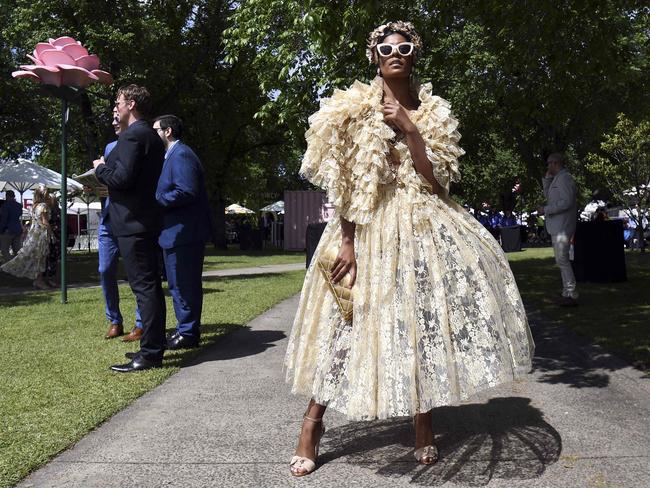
(186, 227)
(131, 174)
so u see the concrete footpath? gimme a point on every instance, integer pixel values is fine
(582, 419)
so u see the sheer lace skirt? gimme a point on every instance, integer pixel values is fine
(437, 315)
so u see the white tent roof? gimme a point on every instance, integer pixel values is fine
(238, 209)
(274, 207)
(83, 209)
(590, 209)
(26, 175)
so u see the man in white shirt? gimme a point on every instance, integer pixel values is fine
(561, 215)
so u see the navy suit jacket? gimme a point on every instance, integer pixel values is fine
(131, 173)
(10, 218)
(182, 194)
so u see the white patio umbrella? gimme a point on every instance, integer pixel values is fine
(277, 207)
(238, 209)
(83, 207)
(26, 175)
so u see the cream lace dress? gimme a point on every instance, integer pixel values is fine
(32, 256)
(437, 313)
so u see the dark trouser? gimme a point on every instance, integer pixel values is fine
(140, 255)
(184, 265)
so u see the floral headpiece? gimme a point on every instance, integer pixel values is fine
(399, 26)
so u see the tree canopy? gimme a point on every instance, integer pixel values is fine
(524, 78)
(623, 167)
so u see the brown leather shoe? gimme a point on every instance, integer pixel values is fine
(133, 336)
(116, 330)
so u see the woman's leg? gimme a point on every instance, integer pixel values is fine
(424, 429)
(311, 432)
(426, 451)
(40, 282)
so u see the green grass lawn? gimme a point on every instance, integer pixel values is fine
(55, 385)
(82, 266)
(614, 315)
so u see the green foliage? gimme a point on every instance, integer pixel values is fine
(523, 81)
(622, 166)
(245, 76)
(175, 49)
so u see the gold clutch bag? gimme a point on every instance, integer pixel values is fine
(343, 293)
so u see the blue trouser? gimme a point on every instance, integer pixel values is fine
(184, 265)
(109, 253)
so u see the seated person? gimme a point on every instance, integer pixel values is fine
(508, 219)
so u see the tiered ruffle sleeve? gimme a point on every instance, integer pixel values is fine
(346, 151)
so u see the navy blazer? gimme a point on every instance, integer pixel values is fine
(131, 173)
(10, 214)
(182, 194)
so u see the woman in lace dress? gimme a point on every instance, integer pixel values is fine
(437, 316)
(30, 262)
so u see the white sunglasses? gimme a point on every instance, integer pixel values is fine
(403, 48)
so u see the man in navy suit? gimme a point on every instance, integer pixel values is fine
(131, 173)
(186, 227)
(109, 254)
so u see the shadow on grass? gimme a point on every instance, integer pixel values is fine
(613, 315)
(33, 297)
(505, 438)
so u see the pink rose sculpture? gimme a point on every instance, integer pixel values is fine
(63, 62)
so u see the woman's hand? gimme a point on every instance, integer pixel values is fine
(345, 262)
(397, 116)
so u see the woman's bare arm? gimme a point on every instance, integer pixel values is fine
(345, 261)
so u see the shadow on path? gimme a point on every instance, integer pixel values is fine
(563, 357)
(505, 438)
(238, 343)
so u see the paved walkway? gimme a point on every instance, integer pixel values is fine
(582, 419)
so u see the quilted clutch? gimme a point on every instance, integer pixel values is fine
(343, 293)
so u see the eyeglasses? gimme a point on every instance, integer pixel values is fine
(117, 102)
(403, 48)
(159, 128)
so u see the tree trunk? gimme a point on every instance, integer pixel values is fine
(640, 235)
(218, 211)
(90, 142)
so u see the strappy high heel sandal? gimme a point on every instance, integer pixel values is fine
(426, 454)
(302, 466)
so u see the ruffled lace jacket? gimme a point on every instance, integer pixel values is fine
(348, 144)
